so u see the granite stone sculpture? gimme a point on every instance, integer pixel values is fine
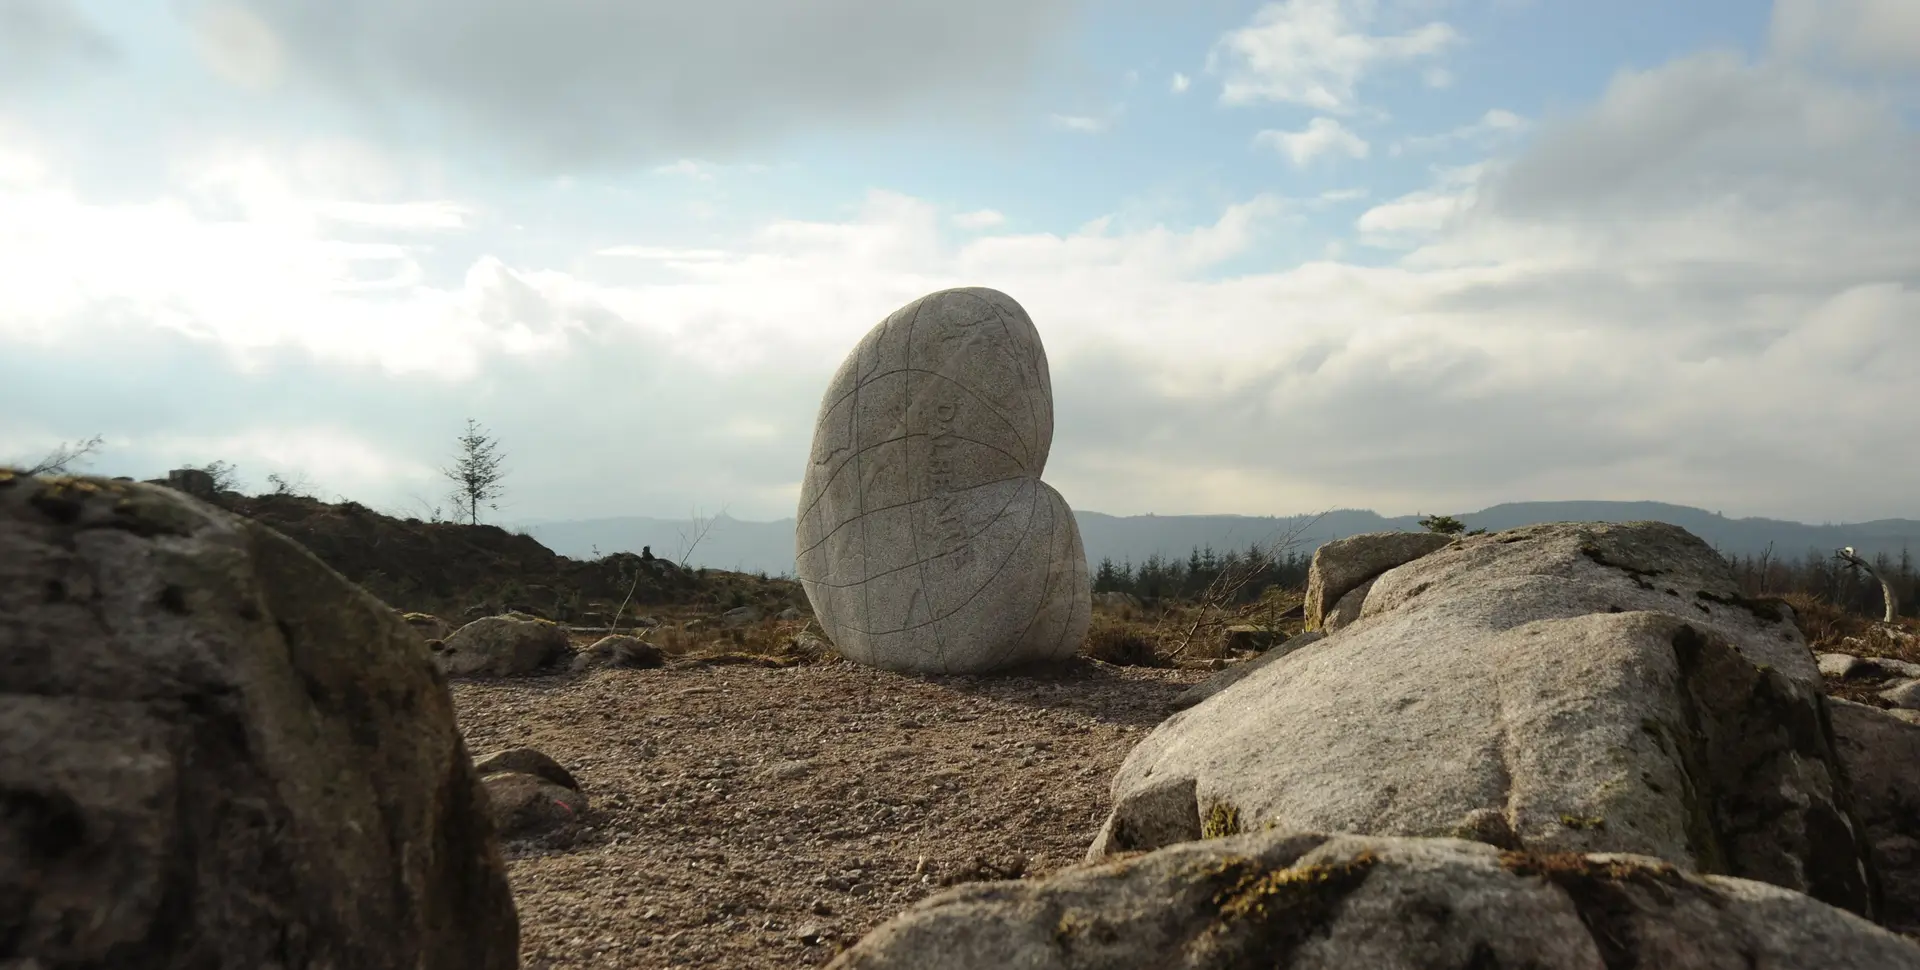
(927, 542)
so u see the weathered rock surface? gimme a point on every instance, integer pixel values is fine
(1343, 564)
(1881, 755)
(1310, 902)
(927, 542)
(429, 627)
(1904, 694)
(1544, 688)
(619, 650)
(503, 646)
(1348, 609)
(217, 753)
(526, 761)
(528, 806)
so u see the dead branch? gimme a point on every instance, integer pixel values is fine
(1886, 588)
(1226, 586)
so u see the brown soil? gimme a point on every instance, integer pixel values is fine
(745, 817)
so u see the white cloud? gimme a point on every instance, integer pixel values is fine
(687, 168)
(1081, 123)
(1482, 133)
(422, 216)
(1714, 245)
(243, 258)
(1180, 83)
(1316, 52)
(1411, 216)
(1437, 77)
(43, 39)
(1321, 136)
(1880, 34)
(979, 219)
(663, 253)
(564, 85)
(238, 46)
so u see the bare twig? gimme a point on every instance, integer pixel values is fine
(1225, 587)
(63, 457)
(701, 526)
(614, 623)
(1886, 588)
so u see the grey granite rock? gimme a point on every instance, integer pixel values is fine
(1343, 564)
(1905, 694)
(1348, 609)
(926, 541)
(509, 645)
(1545, 674)
(216, 752)
(1881, 754)
(1309, 902)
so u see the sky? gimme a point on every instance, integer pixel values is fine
(1405, 255)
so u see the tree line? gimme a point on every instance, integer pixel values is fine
(1826, 577)
(1165, 578)
(1816, 573)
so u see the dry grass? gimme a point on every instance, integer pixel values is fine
(1176, 633)
(1129, 637)
(1127, 643)
(1829, 629)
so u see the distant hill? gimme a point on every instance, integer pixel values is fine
(768, 546)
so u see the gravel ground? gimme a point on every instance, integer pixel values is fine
(752, 817)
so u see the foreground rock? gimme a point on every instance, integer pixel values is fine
(1291, 902)
(1587, 688)
(926, 541)
(503, 646)
(1881, 755)
(529, 794)
(217, 753)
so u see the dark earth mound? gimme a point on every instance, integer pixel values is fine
(455, 570)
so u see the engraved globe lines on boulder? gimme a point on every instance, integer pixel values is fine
(926, 540)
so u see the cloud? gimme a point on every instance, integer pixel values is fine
(1316, 52)
(1482, 133)
(1876, 34)
(1700, 289)
(687, 168)
(40, 39)
(569, 84)
(1416, 215)
(1080, 123)
(979, 219)
(237, 45)
(1180, 83)
(1321, 136)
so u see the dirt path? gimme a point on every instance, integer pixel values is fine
(746, 817)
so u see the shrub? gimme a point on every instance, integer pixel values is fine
(1118, 642)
